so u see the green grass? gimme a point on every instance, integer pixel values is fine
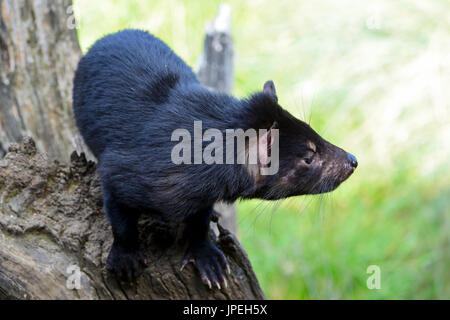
(374, 78)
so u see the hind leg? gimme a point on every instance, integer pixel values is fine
(125, 258)
(209, 260)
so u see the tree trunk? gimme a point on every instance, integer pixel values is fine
(54, 237)
(39, 51)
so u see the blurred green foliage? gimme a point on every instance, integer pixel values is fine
(372, 77)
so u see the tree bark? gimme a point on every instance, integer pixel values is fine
(39, 51)
(53, 232)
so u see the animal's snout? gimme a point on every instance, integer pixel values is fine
(352, 159)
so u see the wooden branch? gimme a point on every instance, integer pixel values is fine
(216, 64)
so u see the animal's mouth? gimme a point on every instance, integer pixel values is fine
(349, 172)
(330, 183)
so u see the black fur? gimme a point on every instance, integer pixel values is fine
(131, 91)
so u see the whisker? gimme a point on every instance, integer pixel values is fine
(250, 214)
(275, 206)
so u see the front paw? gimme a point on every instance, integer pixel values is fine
(210, 262)
(126, 263)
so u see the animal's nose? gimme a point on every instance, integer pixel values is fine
(353, 161)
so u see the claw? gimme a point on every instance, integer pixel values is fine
(143, 261)
(228, 269)
(207, 282)
(223, 280)
(215, 216)
(185, 262)
(210, 263)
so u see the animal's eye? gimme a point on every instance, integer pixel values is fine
(308, 160)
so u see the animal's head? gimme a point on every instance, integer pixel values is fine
(307, 163)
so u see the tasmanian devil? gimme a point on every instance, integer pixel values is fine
(134, 100)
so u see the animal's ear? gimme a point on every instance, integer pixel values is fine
(266, 144)
(269, 89)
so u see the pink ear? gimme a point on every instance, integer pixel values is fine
(265, 144)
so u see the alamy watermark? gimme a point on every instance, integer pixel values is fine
(250, 147)
(374, 280)
(72, 21)
(73, 277)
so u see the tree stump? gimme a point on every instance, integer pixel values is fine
(38, 51)
(53, 232)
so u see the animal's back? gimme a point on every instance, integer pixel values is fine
(119, 85)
